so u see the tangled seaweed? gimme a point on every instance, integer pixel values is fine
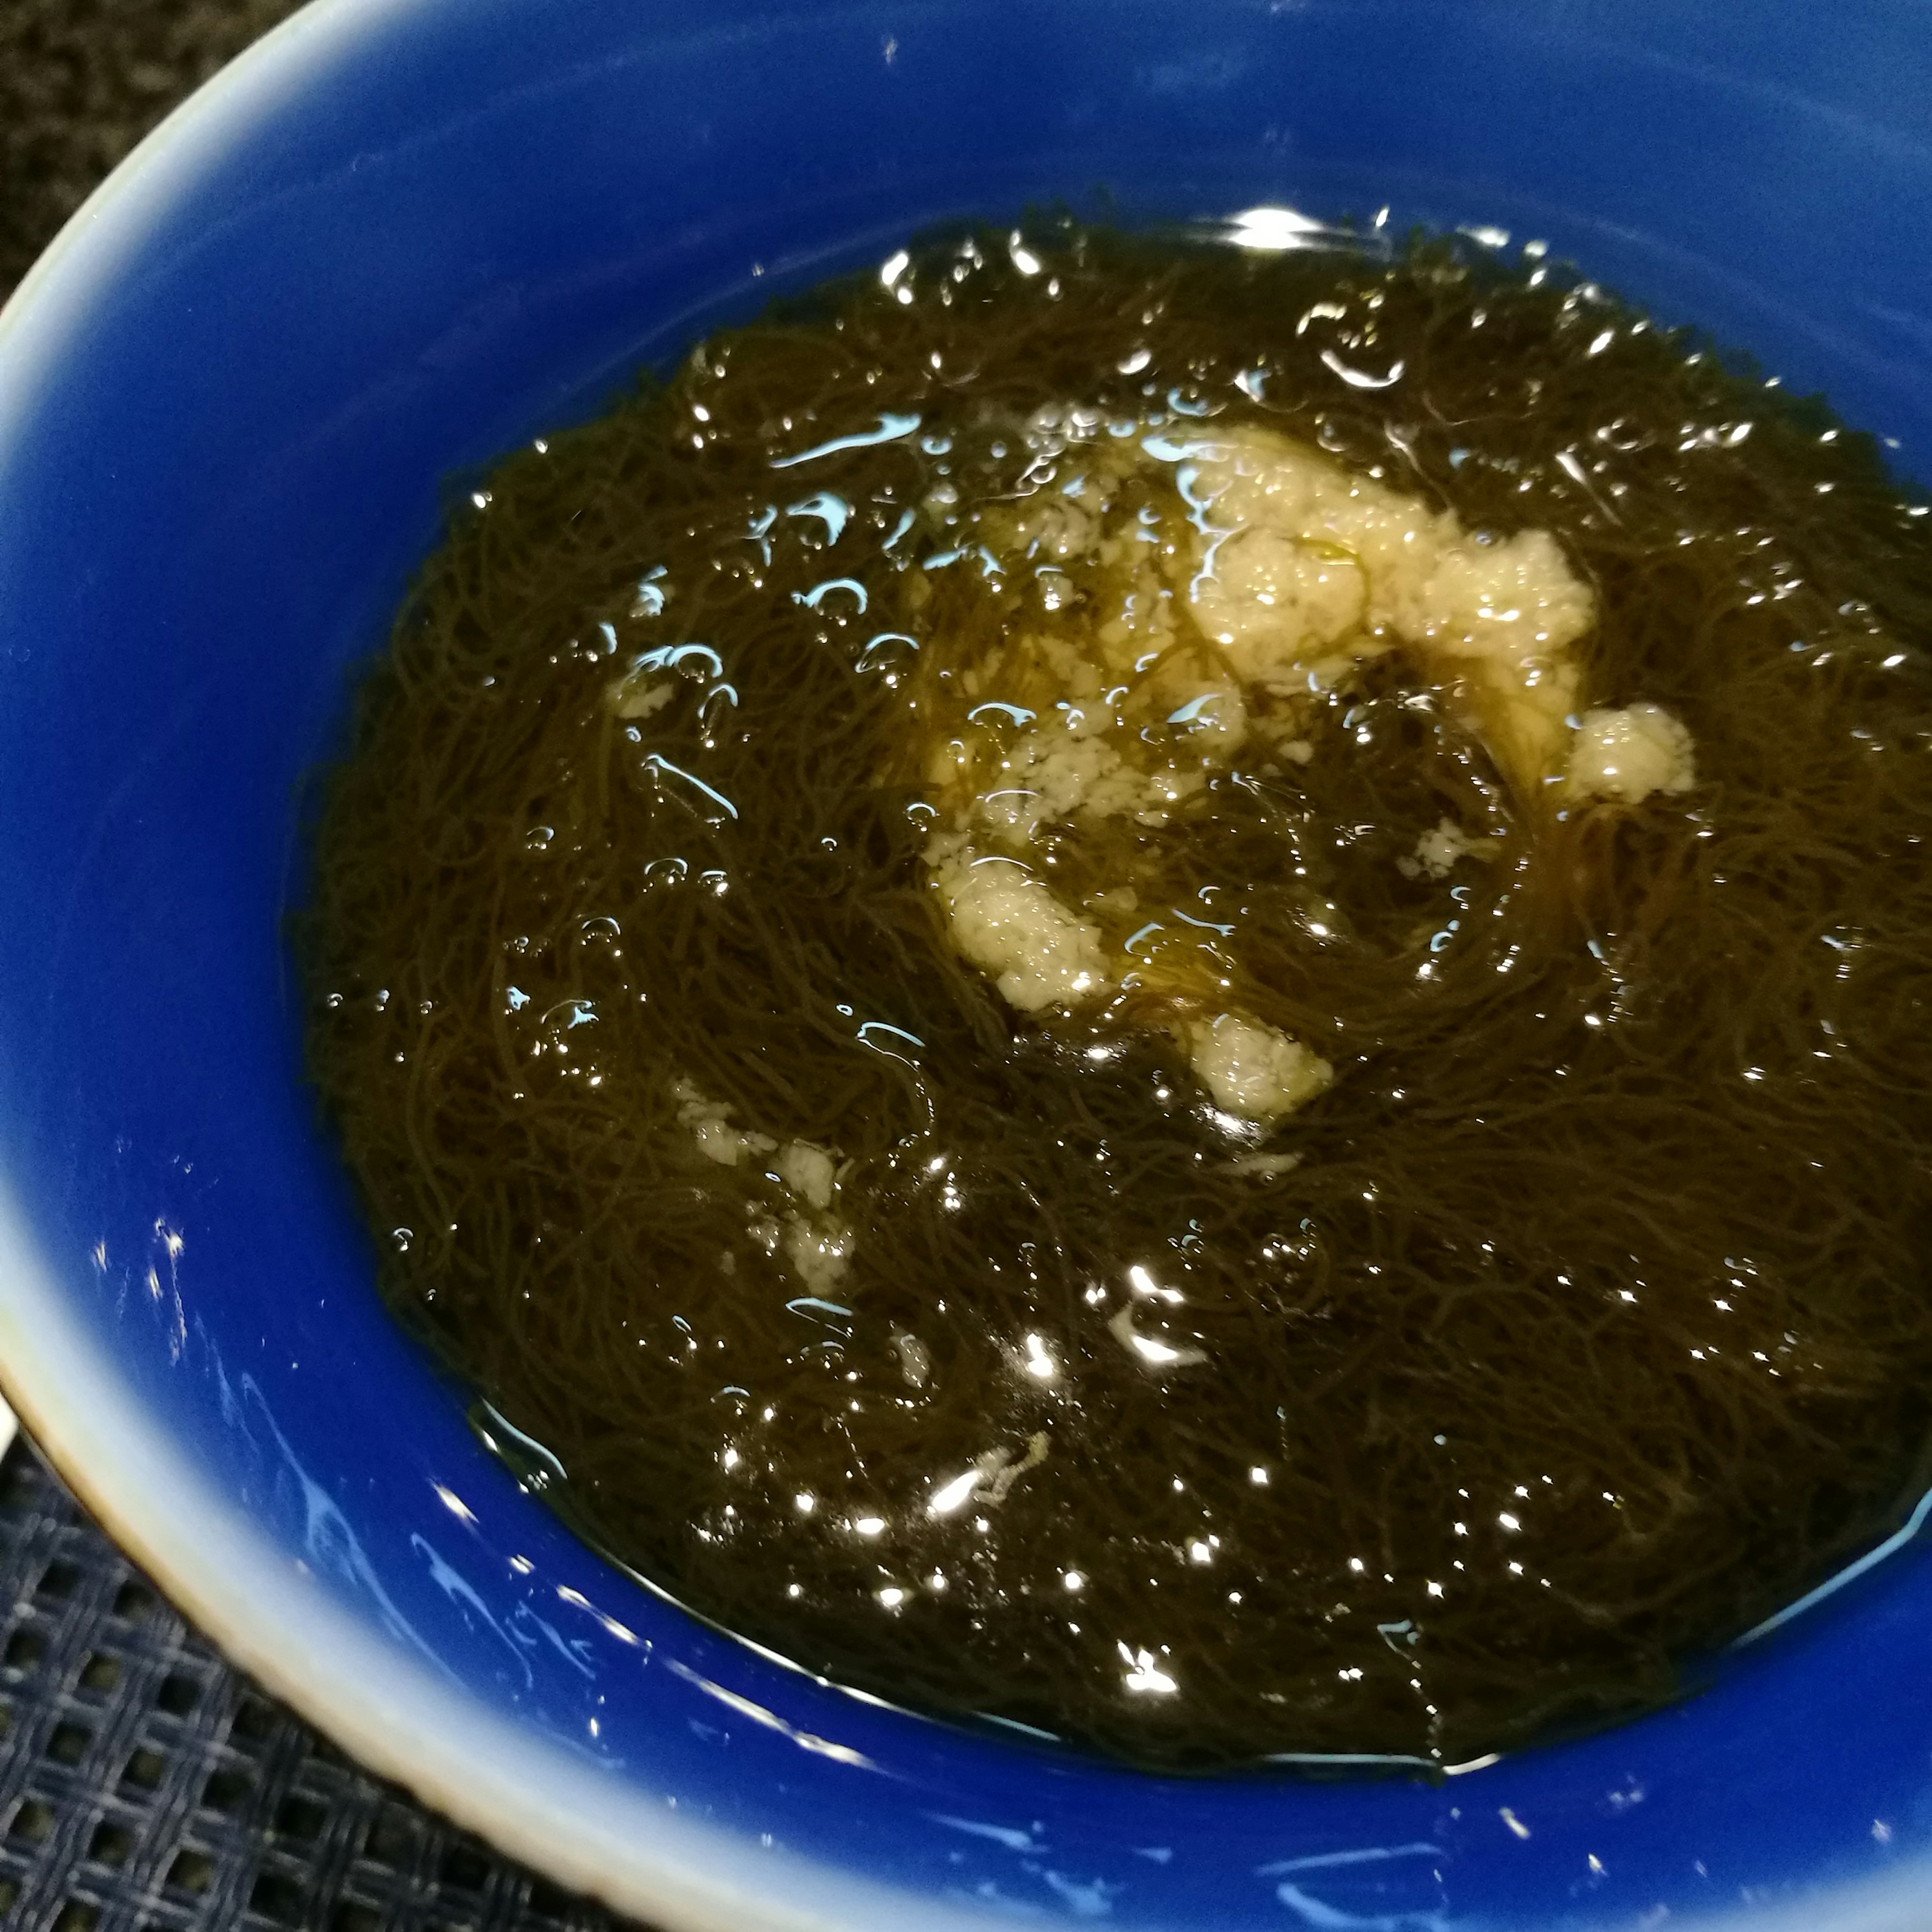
(1585, 1322)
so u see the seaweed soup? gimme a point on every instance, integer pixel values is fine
(1173, 994)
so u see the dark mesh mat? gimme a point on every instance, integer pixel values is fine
(143, 1784)
(81, 81)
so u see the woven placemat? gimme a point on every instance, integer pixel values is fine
(81, 81)
(143, 1783)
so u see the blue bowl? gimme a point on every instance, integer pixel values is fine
(403, 234)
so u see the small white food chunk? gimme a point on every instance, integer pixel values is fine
(718, 1141)
(1252, 1069)
(710, 1124)
(818, 1253)
(1264, 1166)
(631, 700)
(808, 1172)
(817, 1246)
(1506, 614)
(1008, 925)
(1050, 775)
(1436, 852)
(1629, 754)
(1513, 599)
(1305, 567)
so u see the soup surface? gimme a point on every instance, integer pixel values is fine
(1170, 992)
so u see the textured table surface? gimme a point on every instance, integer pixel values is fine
(143, 1784)
(81, 81)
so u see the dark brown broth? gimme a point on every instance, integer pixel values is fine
(1592, 1325)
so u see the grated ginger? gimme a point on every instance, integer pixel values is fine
(1627, 754)
(816, 1244)
(1252, 1070)
(1297, 557)
(1010, 925)
(1438, 850)
(1185, 593)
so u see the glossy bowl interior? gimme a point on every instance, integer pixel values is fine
(403, 234)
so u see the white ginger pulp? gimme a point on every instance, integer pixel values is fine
(1628, 754)
(1256, 573)
(1252, 1070)
(1011, 926)
(800, 1178)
